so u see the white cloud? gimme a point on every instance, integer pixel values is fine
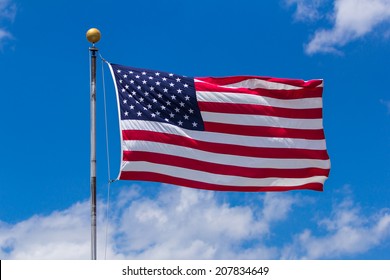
(306, 10)
(181, 223)
(348, 232)
(350, 20)
(187, 224)
(4, 35)
(7, 13)
(61, 235)
(386, 103)
(7, 9)
(353, 19)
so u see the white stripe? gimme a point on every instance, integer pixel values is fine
(242, 98)
(254, 120)
(250, 141)
(244, 161)
(253, 83)
(226, 180)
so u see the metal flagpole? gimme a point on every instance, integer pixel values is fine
(93, 36)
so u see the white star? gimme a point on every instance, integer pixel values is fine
(118, 71)
(139, 114)
(133, 92)
(138, 87)
(191, 111)
(177, 110)
(181, 104)
(146, 93)
(165, 89)
(170, 75)
(124, 101)
(131, 72)
(157, 74)
(178, 80)
(149, 106)
(180, 123)
(153, 115)
(127, 86)
(152, 88)
(150, 78)
(125, 76)
(194, 124)
(186, 117)
(163, 107)
(126, 113)
(123, 90)
(141, 99)
(173, 97)
(172, 115)
(132, 107)
(131, 81)
(169, 103)
(171, 84)
(158, 83)
(143, 73)
(154, 100)
(144, 82)
(179, 91)
(164, 79)
(159, 95)
(137, 76)
(187, 98)
(157, 113)
(185, 85)
(120, 81)
(166, 120)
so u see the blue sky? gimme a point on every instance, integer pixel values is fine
(44, 144)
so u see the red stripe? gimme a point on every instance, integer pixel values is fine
(263, 131)
(222, 169)
(155, 177)
(230, 149)
(250, 109)
(273, 93)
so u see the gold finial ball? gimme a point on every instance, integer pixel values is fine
(93, 35)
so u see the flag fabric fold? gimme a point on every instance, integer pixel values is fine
(242, 133)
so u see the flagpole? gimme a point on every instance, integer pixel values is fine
(93, 36)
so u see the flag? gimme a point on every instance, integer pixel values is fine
(241, 133)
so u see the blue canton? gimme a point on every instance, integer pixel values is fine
(157, 96)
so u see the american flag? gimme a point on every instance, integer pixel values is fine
(241, 133)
